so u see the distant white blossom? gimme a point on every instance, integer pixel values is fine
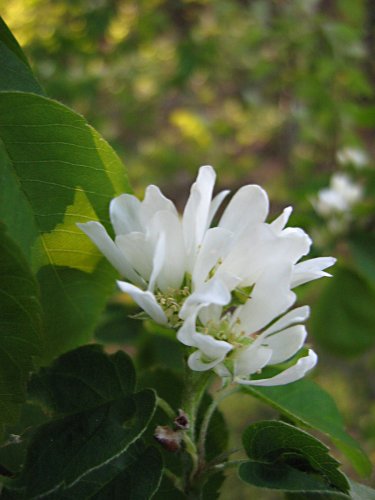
(220, 287)
(352, 156)
(340, 197)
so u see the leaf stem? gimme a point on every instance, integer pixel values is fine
(231, 463)
(175, 479)
(222, 457)
(167, 409)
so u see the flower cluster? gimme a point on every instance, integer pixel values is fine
(340, 197)
(225, 289)
(336, 202)
(352, 157)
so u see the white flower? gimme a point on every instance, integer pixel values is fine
(155, 250)
(339, 198)
(220, 286)
(240, 338)
(352, 156)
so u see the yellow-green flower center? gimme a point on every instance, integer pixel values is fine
(171, 302)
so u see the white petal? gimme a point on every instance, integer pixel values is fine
(270, 297)
(211, 352)
(154, 201)
(222, 371)
(310, 270)
(138, 251)
(188, 329)
(285, 344)
(173, 266)
(210, 347)
(145, 300)
(231, 281)
(280, 222)
(215, 204)
(211, 292)
(298, 315)
(250, 360)
(289, 375)
(195, 217)
(213, 313)
(215, 245)
(158, 261)
(250, 254)
(198, 362)
(247, 207)
(125, 214)
(294, 243)
(99, 236)
(259, 248)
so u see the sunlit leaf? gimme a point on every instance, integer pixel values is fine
(58, 171)
(15, 71)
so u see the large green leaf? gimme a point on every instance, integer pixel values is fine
(20, 328)
(57, 171)
(305, 402)
(343, 319)
(83, 379)
(135, 474)
(285, 458)
(96, 418)
(15, 71)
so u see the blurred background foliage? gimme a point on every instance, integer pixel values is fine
(276, 92)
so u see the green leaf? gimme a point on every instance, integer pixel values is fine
(211, 488)
(361, 492)
(285, 458)
(357, 492)
(15, 73)
(217, 435)
(20, 328)
(317, 496)
(135, 474)
(168, 491)
(96, 418)
(363, 250)
(17, 437)
(83, 379)
(168, 386)
(306, 403)
(58, 171)
(161, 349)
(343, 319)
(72, 301)
(117, 326)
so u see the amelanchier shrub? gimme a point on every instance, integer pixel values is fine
(216, 295)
